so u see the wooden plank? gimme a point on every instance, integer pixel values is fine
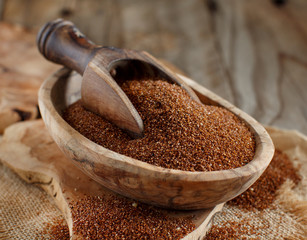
(263, 48)
(22, 70)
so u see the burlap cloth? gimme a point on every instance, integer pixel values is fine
(26, 210)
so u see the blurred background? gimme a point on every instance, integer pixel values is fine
(252, 53)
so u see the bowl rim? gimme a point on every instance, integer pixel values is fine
(263, 154)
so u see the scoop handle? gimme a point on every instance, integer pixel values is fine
(61, 42)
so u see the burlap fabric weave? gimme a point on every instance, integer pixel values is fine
(26, 210)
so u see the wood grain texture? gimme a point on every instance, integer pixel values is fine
(252, 53)
(21, 74)
(139, 180)
(28, 149)
(263, 48)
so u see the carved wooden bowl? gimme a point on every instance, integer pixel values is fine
(168, 188)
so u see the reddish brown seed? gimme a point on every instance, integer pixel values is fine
(259, 196)
(117, 217)
(263, 192)
(232, 230)
(56, 229)
(179, 133)
(120, 218)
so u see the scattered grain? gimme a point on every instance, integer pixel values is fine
(232, 230)
(56, 229)
(119, 218)
(259, 196)
(263, 192)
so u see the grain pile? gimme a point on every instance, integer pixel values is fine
(121, 218)
(116, 217)
(179, 133)
(183, 134)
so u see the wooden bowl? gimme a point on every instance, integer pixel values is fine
(168, 188)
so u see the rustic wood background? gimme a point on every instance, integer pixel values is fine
(252, 53)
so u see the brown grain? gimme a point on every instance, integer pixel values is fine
(179, 133)
(120, 218)
(232, 230)
(263, 192)
(56, 229)
(259, 196)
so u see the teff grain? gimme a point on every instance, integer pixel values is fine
(263, 192)
(56, 229)
(179, 133)
(259, 196)
(232, 230)
(120, 218)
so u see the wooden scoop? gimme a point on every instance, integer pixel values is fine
(61, 42)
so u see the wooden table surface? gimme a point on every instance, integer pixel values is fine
(252, 53)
